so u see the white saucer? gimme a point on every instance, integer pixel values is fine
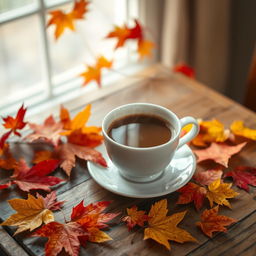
(176, 175)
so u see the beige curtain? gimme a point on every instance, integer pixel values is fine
(198, 32)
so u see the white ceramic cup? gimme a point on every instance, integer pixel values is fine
(146, 164)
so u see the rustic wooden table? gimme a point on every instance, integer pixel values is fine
(185, 97)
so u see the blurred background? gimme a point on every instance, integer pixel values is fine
(215, 37)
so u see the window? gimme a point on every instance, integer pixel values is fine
(34, 68)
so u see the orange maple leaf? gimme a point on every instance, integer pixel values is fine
(211, 221)
(7, 161)
(93, 73)
(135, 33)
(219, 153)
(135, 217)
(192, 193)
(16, 123)
(239, 129)
(219, 193)
(163, 228)
(63, 20)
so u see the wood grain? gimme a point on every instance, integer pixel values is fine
(184, 97)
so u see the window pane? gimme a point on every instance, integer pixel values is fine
(74, 49)
(20, 59)
(7, 5)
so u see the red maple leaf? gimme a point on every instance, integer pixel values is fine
(16, 123)
(3, 139)
(185, 70)
(35, 177)
(61, 236)
(218, 152)
(243, 176)
(50, 201)
(192, 193)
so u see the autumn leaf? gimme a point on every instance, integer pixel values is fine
(35, 177)
(162, 228)
(61, 236)
(16, 123)
(7, 161)
(68, 152)
(136, 33)
(212, 222)
(50, 201)
(135, 217)
(43, 155)
(3, 139)
(192, 193)
(219, 193)
(93, 73)
(207, 177)
(219, 153)
(243, 176)
(63, 21)
(49, 131)
(31, 214)
(238, 129)
(184, 69)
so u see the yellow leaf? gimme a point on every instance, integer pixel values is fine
(98, 236)
(163, 228)
(145, 48)
(31, 213)
(219, 192)
(238, 128)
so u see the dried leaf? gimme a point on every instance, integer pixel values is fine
(63, 20)
(50, 201)
(243, 176)
(93, 73)
(207, 177)
(211, 221)
(35, 177)
(220, 153)
(61, 236)
(49, 131)
(31, 214)
(184, 69)
(192, 193)
(220, 192)
(16, 123)
(67, 155)
(7, 161)
(135, 217)
(163, 228)
(238, 128)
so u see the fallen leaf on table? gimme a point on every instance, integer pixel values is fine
(212, 222)
(163, 228)
(210, 131)
(207, 177)
(61, 236)
(93, 73)
(63, 20)
(135, 217)
(7, 161)
(184, 69)
(238, 128)
(243, 176)
(35, 177)
(219, 153)
(135, 33)
(92, 219)
(31, 214)
(219, 193)
(50, 201)
(49, 131)
(192, 193)
(16, 123)
(67, 155)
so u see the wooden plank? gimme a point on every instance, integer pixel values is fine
(9, 246)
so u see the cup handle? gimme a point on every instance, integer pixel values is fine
(192, 133)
